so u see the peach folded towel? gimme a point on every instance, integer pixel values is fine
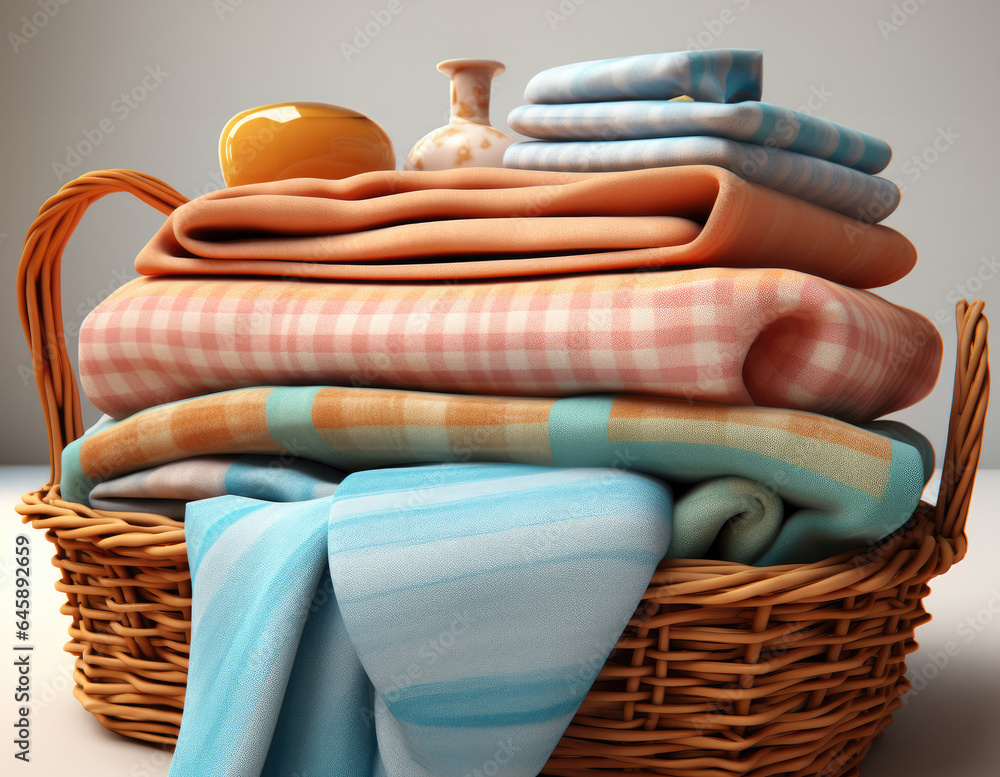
(776, 338)
(494, 223)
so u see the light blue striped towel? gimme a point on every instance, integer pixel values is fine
(841, 189)
(761, 124)
(714, 75)
(421, 622)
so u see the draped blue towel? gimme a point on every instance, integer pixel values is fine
(424, 621)
(758, 123)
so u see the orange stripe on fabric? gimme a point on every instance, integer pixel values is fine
(813, 442)
(231, 421)
(235, 420)
(496, 429)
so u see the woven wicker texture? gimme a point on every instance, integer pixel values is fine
(724, 670)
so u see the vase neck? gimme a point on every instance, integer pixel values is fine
(470, 94)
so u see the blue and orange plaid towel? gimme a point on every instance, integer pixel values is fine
(848, 486)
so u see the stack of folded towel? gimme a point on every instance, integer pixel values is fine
(691, 108)
(432, 432)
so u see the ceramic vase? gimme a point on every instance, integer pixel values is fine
(467, 140)
(302, 140)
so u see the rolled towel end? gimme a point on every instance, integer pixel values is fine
(731, 518)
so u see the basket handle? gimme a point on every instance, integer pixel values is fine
(40, 305)
(39, 300)
(965, 427)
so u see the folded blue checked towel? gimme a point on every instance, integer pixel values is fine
(713, 75)
(696, 108)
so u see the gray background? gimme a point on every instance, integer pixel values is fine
(916, 73)
(931, 68)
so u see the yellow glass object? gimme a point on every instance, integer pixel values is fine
(302, 140)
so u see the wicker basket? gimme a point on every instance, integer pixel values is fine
(724, 670)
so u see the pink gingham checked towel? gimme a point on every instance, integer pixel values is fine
(776, 338)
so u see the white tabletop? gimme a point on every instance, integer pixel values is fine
(949, 724)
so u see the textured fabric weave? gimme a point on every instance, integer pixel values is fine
(768, 337)
(758, 123)
(461, 631)
(855, 486)
(841, 189)
(168, 488)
